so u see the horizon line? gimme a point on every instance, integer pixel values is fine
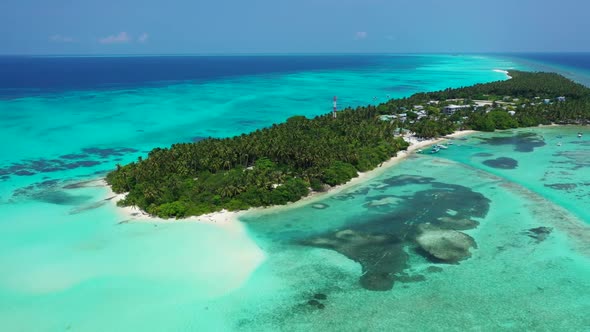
(286, 54)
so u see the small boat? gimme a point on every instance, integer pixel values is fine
(579, 135)
(441, 146)
(435, 149)
(559, 144)
(450, 143)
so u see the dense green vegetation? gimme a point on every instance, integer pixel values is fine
(270, 166)
(280, 164)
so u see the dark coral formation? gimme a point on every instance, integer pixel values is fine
(52, 192)
(523, 142)
(562, 186)
(32, 167)
(502, 163)
(88, 207)
(449, 222)
(108, 152)
(315, 302)
(428, 221)
(378, 269)
(445, 245)
(82, 184)
(434, 269)
(539, 233)
(575, 159)
(74, 156)
(64, 162)
(352, 195)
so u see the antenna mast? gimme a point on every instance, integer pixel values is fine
(335, 107)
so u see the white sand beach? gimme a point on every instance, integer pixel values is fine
(503, 72)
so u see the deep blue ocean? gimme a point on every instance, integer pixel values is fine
(27, 76)
(575, 66)
(34, 75)
(574, 60)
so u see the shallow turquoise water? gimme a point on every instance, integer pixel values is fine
(72, 266)
(511, 283)
(553, 162)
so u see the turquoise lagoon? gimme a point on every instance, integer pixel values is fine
(70, 264)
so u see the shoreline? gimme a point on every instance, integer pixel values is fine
(230, 219)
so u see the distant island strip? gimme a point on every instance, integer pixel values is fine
(287, 161)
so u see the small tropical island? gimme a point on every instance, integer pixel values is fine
(285, 162)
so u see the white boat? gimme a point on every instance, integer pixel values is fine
(435, 149)
(440, 146)
(579, 135)
(559, 144)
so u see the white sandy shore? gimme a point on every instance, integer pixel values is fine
(225, 219)
(505, 72)
(228, 219)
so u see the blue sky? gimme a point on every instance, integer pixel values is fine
(291, 26)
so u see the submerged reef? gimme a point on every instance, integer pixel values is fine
(539, 233)
(574, 160)
(427, 222)
(381, 256)
(502, 163)
(446, 245)
(58, 192)
(522, 142)
(65, 162)
(562, 186)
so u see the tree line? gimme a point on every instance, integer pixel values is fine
(270, 166)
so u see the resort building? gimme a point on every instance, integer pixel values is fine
(483, 103)
(451, 109)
